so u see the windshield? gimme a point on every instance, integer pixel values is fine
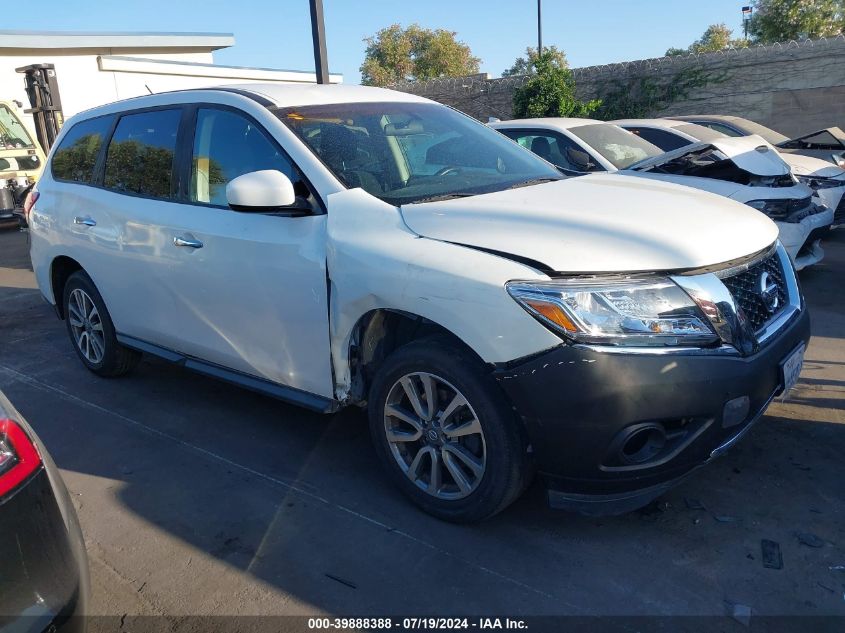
(13, 135)
(413, 152)
(700, 132)
(620, 147)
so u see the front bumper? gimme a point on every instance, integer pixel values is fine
(581, 405)
(798, 238)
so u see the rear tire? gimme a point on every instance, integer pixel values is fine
(461, 462)
(91, 331)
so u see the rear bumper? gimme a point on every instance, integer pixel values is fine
(583, 408)
(44, 577)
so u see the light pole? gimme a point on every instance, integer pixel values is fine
(318, 34)
(539, 27)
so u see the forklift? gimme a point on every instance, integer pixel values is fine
(22, 157)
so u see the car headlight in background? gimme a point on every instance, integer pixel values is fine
(816, 182)
(633, 312)
(784, 209)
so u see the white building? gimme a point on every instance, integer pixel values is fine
(97, 68)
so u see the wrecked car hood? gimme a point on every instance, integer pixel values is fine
(808, 166)
(800, 142)
(751, 153)
(599, 223)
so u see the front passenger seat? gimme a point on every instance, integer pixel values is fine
(542, 148)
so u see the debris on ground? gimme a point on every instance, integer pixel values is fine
(694, 504)
(342, 581)
(809, 539)
(739, 612)
(725, 518)
(772, 556)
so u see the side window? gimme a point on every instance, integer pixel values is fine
(551, 147)
(719, 127)
(76, 155)
(140, 155)
(228, 145)
(663, 139)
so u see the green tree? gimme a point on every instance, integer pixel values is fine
(717, 37)
(784, 20)
(525, 65)
(550, 91)
(395, 54)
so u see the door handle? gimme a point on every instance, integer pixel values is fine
(86, 221)
(187, 241)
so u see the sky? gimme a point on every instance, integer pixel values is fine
(277, 34)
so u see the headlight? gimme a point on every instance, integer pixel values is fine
(784, 209)
(645, 312)
(816, 183)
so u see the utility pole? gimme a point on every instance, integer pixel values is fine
(318, 34)
(539, 27)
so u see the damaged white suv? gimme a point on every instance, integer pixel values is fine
(343, 245)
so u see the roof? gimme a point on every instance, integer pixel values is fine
(659, 123)
(113, 39)
(560, 123)
(302, 94)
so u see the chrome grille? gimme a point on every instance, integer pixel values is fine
(745, 288)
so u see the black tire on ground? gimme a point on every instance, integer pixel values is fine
(508, 468)
(117, 360)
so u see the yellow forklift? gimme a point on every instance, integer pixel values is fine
(21, 156)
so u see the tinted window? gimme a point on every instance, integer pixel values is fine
(550, 146)
(76, 155)
(140, 154)
(412, 152)
(228, 145)
(663, 139)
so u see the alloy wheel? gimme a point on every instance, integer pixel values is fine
(87, 326)
(435, 436)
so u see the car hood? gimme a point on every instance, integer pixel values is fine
(808, 166)
(599, 223)
(751, 153)
(835, 132)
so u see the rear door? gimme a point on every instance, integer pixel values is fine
(243, 290)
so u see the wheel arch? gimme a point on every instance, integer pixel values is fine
(61, 268)
(378, 333)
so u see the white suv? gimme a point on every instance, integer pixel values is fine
(343, 245)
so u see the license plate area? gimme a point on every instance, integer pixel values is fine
(790, 368)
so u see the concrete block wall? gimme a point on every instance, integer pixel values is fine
(792, 87)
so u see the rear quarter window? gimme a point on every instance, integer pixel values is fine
(76, 156)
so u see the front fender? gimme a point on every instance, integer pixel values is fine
(375, 261)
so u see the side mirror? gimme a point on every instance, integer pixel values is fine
(581, 160)
(260, 191)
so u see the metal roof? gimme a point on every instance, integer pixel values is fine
(113, 39)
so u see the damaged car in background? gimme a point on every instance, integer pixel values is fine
(743, 169)
(816, 158)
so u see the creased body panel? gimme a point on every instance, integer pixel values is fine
(375, 261)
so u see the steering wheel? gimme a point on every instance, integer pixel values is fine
(447, 170)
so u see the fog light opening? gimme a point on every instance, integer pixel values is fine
(642, 444)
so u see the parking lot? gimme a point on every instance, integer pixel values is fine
(197, 497)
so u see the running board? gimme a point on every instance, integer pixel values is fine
(282, 392)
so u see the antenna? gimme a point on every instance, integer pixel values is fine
(148, 89)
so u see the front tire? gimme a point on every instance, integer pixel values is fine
(445, 433)
(91, 331)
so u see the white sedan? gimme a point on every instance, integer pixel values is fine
(745, 169)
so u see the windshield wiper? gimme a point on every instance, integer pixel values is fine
(443, 196)
(533, 181)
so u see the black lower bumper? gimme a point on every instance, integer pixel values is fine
(610, 431)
